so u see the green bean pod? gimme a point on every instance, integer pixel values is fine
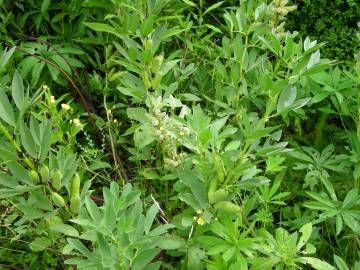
(75, 186)
(44, 173)
(218, 195)
(228, 207)
(212, 188)
(218, 167)
(75, 204)
(56, 179)
(57, 199)
(34, 176)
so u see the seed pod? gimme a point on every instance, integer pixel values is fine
(44, 173)
(155, 82)
(218, 195)
(34, 176)
(228, 207)
(212, 188)
(156, 63)
(146, 80)
(75, 185)
(56, 179)
(57, 199)
(148, 43)
(218, 167)
(75, 204)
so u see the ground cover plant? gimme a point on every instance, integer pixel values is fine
(174, 134)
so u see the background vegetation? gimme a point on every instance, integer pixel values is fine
(333, 22)
(179, 134)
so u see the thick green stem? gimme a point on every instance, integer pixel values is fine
(260, 125)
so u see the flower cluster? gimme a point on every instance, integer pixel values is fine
(278, 9)
(168, 132)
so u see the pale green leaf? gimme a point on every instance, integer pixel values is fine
(39, 244)
(65, 229)
(6, 110)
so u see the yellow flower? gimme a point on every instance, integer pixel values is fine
(65, 107)
(52, 100)
(76, 122)
(200, 221)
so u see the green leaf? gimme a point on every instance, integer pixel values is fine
(97, 165)
(288, 50)
(171, 242)
(196, 257)
(340, 263)
(143, 258)
(339, 224)
(65, 229)
(301, 156)
(55, 74)
(212, 7)
(240, 263)
(314, 59)
(36, 72)
(40, 244)
(5, 56)
(143, 136)
(76, 244)
(323, 199)
(45, 137)
(102, 27)
(305, 235)
(316, 263)
(7, 180)
(150, 216)
(18, 91)
(228, 254)
(147, 26)
(350, 199)
(190, 179)
(60, 61)
(138, 114)
(6, 111)
(322, 65)
(308, 44)
(329, 187)
(27, 140)
(286, 99)
(350, 221)
(19, 172)
(189, 3)
(93, 210)
(45, 5)
(268, 45)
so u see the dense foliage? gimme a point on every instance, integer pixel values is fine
(331, 21)
(174, 134)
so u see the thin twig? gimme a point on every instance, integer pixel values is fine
(64, 58)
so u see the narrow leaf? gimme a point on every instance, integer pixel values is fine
(6, 111)
(18, 91)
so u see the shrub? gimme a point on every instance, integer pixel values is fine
(330, 21)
